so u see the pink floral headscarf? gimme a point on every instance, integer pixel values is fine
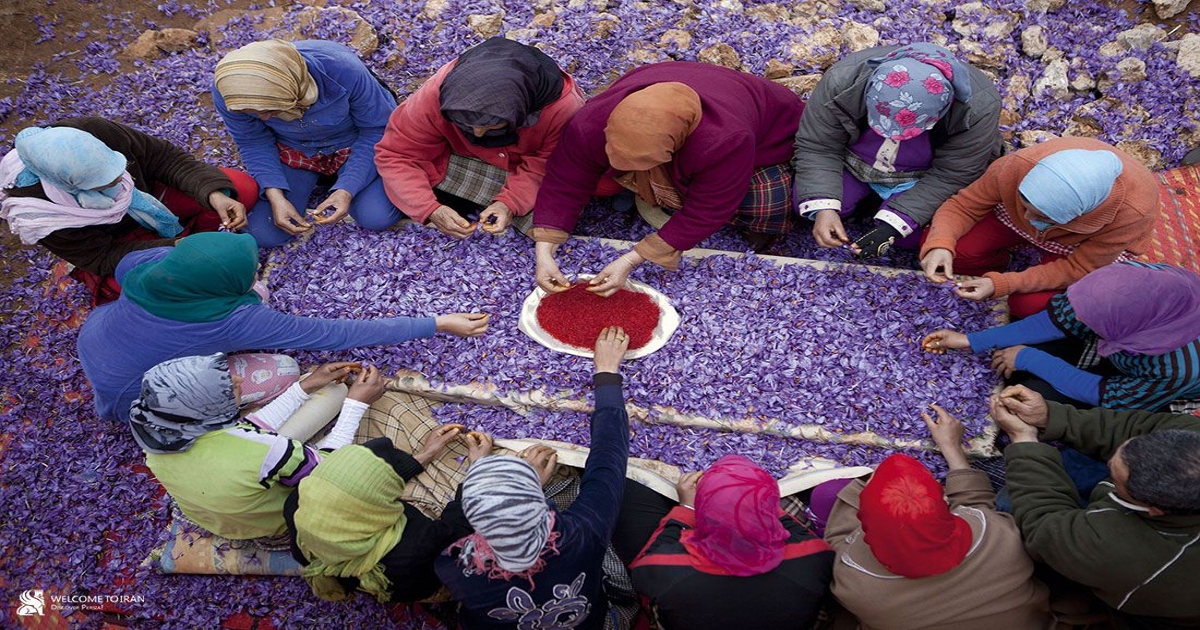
(912, 88)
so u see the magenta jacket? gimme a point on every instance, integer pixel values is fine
(747, 122)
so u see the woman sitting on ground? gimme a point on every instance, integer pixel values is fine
(351, 531)
(91, 190)
(1146, 319)
(910, 125)
(476, 136)
(197, 297)
(231, 475)
(914, 555)
(299, 112)
(1083, 203)
(527, 562)
(725, 541)
(711, 144)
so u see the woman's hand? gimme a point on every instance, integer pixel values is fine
(479, 444)
(369, 386)
(463, 324)
(1005, 361)
(938, 258)
(436, 442)
(339, 202)
(978, 289)
(284, 213)
(615, 275)
(939, 341)
(828, 229)
(231, 211)
(335, 372)
(495, 218)
(686, 488)
(543, 459)
(547, 274)
(448, 222)
(610, 349)
(947, 432)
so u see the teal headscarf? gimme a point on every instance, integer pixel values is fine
(203, 279)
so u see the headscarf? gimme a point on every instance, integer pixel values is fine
(183, 399)
(1139, 309)
(912, 88)
(1067, 184)
(203, 279)
(907, 523)
(503, 501)
(266, 76)
(499, 81)
(349, 517)
(737, 518)
(643, 133)
(69, 163)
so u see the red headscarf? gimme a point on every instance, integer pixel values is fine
(737, 518)
(907, 523)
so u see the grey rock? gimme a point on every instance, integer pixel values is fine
(1169, 8)
(1054, 80)
(1141, 36)
(1033, 41)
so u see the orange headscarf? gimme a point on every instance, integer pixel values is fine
(643, 133)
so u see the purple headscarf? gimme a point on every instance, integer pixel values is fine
(1138, 308)
(912, 88)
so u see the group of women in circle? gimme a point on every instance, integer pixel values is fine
(502, 138)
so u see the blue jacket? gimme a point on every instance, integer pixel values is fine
(352, 110)
(120, 340)
(567, 592)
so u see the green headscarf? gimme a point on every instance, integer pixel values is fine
(203, 279)
(350, 515)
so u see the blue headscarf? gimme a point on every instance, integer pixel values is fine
(1068, 184)
(77, 162)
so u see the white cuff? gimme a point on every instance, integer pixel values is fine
(894, 220)
(346, 427)
(808, 209)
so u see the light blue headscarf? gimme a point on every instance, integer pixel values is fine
(76, 162)
(1068, 184)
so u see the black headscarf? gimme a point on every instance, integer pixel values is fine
(499, 81)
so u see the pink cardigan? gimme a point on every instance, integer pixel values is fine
(416, 147)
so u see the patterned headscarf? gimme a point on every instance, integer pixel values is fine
(183, 399)
(643, 133)
(499, 82)
(349, 517)
(1068, 184)
(502, 499)
(906, 522)
(912, 88)
(69, 163)
(1137, 308)
(204, 278)
(737, 518)
(266, 76)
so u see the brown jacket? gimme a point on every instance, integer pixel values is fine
(993, 588)
(1123, 222)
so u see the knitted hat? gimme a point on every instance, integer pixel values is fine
(907, 523)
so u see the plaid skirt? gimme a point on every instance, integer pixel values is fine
(767, 208)
(472, 179)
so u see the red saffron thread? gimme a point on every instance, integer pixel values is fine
(576, 316)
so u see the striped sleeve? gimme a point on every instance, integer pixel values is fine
(286, 461)
(1151, 382)
(1062, 314)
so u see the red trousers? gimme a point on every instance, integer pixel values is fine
(986, 247)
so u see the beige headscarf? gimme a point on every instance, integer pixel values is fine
(644, 131)
(266, 76)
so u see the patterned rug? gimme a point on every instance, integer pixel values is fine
(1177, 235)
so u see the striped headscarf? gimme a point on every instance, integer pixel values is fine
(183, 399)
(268, 76)
(503, 500)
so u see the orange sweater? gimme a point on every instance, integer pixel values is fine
(1123, 222)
